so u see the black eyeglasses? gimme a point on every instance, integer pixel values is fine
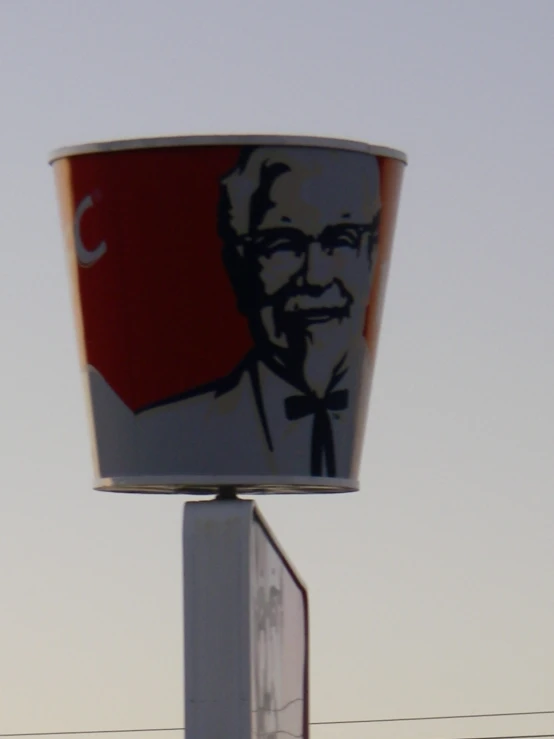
(293, 241)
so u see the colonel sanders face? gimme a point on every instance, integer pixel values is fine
(304, 224)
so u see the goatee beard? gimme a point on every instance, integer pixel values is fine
(312, 356)
(324, 361)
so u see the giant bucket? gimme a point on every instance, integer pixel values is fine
(228, 293)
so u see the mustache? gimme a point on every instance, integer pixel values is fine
(332, 300)
(306, 303)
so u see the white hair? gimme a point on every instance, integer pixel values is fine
(241, 184)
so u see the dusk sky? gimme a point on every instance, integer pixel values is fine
(431, 589)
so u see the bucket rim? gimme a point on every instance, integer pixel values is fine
(168, 142)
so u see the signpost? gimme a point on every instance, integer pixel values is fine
(228, 294)
(246, 627)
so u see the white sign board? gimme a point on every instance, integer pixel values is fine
(279, 631)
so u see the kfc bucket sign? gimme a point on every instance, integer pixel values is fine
(228, 295)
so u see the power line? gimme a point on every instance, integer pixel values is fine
(318, 723)
(94, 731)
(434, 718)
(321, 723)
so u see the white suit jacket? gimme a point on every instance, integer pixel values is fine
(236, 426)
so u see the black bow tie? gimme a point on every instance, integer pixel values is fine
(323, 448)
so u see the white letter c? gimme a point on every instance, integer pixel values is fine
(85, 256)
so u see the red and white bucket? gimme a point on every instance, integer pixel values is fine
(228, 294)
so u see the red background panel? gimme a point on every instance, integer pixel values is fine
(158, 311)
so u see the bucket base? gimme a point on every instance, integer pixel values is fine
(202, 485)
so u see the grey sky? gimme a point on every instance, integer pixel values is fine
(431, 589)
